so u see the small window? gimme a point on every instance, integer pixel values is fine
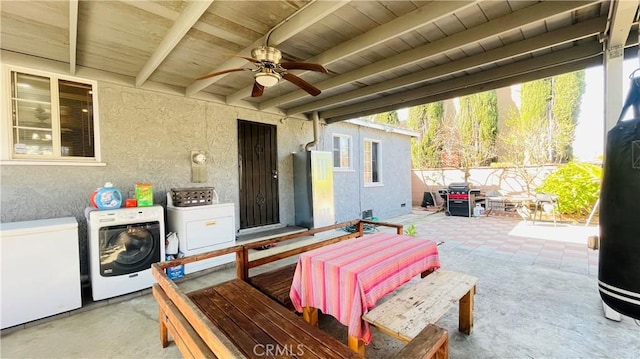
(372, 172)
(52, 118)
(342, 152)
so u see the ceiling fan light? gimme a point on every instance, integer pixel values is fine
(267, 79)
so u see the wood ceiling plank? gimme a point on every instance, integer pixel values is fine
(471, 16)
(472, 49)
(50, 13)
(180, 27)
(510, 37)
(493, 28)
(495, 9)
(303, 19)
(400, 8)
(537, 44)
(354, 18)
(400, 25)
(431, 32)
(375, 11)
(450, 25)
(551, 60)
(486, 86)
(34, 38)
(73, 34)
(209, 23)
(111, 30)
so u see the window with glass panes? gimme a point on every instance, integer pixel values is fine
(371, 161)
(52, 118)
(341, 152)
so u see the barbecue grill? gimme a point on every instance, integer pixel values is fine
(460, 199)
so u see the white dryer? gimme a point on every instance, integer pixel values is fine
(123, 243)
(202, 229)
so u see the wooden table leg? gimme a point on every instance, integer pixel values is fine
(310, 315)
(356, 345)
(426, 273)
(164, 335)
(465, 321)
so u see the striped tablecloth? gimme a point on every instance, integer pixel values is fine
(346, 279)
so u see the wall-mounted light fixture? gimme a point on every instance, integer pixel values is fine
(198, 167)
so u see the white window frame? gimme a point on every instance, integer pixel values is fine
(379, 162)
(7, 156)
(350, 154)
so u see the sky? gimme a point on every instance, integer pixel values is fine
(588, 144)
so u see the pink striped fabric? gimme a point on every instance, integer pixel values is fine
(346, 279)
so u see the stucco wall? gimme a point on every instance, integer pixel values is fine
(351, 196)
(148, 137)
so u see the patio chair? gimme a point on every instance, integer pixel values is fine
(547, 203)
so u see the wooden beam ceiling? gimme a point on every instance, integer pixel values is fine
(546, 40)
(495, 27)
(181, 26)
(377, 35)
(314, 12)
(553, 59)
(73, 34)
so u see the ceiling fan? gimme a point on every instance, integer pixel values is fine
(270, 70)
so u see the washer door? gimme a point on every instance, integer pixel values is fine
(129, 248)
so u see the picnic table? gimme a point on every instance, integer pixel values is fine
(346, 279)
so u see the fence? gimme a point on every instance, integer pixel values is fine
(508, 180)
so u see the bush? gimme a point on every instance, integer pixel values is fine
(577, 186)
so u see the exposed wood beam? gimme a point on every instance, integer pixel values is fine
(622, 16)
(303, 19)
(546, 40)
(157, 9)
(518, 79)
(380, 34)
(534, 13)
(73, 34)
(536, 63)
(181, 26)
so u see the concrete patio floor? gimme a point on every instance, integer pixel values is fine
(537, 298)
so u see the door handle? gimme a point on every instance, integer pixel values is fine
(274, 174)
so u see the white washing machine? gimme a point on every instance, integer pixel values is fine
(123, 243)
(203, 229)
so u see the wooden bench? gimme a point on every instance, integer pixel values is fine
(276, 283)
(431, 342)
(412, 307)
(234, 320)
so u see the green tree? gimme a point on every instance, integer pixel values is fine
(427, 120)
(478, 126)
(567, 93)
(544, 129)
(390, 118)
(527, 131)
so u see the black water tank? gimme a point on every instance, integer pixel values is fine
(619, 267)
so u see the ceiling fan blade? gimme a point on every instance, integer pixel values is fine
(221, 73)
(303, 66)
(257, 90)
(312, 90)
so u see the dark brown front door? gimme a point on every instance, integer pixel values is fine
(258, 167)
